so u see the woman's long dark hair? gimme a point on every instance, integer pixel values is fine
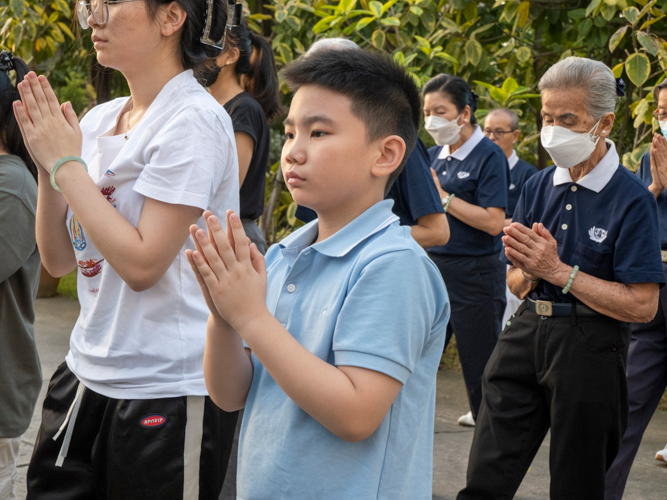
(256, 68)
(10, 133)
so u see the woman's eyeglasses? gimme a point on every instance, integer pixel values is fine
(99, 9)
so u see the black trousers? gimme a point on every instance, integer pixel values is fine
(161, 449)
(647, 380)
(476, 288)
(563, 373)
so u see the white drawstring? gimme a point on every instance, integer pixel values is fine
(70, 418)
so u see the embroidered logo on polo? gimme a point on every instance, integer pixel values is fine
(598, 235)
(512, 186)
(463, 175)
(153, 421)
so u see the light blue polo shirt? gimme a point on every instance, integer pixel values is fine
(368, 296)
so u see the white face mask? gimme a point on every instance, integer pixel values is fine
(663, 128)
(568, 148)
(443, 131)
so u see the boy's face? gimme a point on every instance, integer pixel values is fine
(327, 161)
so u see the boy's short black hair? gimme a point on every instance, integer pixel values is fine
(384, 96)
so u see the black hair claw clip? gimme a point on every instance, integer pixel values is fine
(234, 16)
(6, 61)
(620, 87)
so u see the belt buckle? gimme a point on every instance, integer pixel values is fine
(543, 308)
(664, 255)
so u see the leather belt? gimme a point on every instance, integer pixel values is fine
(546, 308)
(664, 255)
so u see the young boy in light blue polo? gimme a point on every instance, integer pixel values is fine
(333, 356)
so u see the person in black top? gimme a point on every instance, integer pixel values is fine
(244, 80)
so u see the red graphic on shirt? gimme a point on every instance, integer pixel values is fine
(108, 191)
(91, 267)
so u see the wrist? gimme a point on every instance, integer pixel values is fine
(655, 189)
(67, 171)
(256, 322)
(561, 275)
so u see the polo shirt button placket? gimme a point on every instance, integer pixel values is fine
(291, 288)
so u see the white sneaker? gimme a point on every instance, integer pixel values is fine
(467, 421)
(662, 455)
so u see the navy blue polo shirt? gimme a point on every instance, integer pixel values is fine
(644, 173)
(605, 223)
(478, 173)
(520, 172)
(414, 192)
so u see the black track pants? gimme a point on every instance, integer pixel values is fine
(161, 449)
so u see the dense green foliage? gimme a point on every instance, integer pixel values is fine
(500, 48)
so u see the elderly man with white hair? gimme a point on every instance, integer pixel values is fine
(584, 250)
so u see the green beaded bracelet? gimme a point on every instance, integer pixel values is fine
(449, 200)
(52, 177)
(575, 270)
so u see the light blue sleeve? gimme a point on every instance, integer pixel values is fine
(394, 309)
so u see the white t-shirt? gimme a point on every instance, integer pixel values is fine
(150, 344)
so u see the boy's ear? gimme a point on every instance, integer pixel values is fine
(392, 150)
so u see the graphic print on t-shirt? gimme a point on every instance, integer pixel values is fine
(78, 238)
(107, 191)
(90, 268)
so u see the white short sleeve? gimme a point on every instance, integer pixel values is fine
(186, 160)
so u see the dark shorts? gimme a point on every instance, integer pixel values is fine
(162, 449)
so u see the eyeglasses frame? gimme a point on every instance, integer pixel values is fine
(503, 132)
(89, 9)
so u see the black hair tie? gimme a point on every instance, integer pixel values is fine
(620, 87)
(6, 61)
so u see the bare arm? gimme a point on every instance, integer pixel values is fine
(431, 230)
(351, 402)
(535, 252)
(518, 285)
(490, 220)
(53, 239)
(245, 145)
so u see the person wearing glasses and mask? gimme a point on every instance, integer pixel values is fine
(471, 175)
(584, 249)
(127, 415)
(502, 127)
(647, 356)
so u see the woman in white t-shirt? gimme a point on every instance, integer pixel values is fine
(127, 415)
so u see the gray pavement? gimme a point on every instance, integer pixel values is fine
(648, 479)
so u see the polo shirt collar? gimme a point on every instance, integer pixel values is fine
(596, 179)
(465, 149)
(373, 220)
(513, 159)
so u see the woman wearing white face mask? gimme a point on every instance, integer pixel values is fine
(584, 251)
(472, 176)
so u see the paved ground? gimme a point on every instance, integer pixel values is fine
(55, 318)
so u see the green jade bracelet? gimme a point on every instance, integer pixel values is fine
(449, 200)
(52, 177)
(575, 270)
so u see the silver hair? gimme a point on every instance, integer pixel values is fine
(514, 118)
(592, 76)
(332, 44)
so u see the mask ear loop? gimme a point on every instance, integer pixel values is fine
(595, 127)
(234, 16)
